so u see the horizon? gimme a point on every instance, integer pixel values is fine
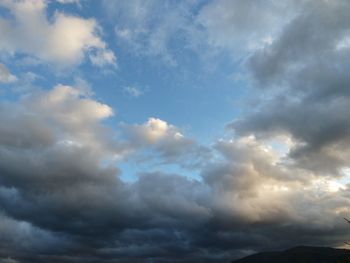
(172, 131)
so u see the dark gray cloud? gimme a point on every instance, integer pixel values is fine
(62, 199)
(305, 72)
(311, 41)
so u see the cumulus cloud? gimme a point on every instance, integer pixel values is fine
(69, 198)
(153, 131)
(166, 141)
(57, 133)
(64, 39)
(76, 116)
(253, 187)
(66, 186)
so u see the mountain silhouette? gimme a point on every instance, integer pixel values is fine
(301, 254)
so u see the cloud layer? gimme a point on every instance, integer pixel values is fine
(277, 179)
(69, 196)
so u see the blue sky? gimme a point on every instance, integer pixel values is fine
(154, 131)
(166, 88)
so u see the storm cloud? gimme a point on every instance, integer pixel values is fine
(305, 70)
(66, 202)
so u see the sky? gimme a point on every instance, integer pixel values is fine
(172, 131)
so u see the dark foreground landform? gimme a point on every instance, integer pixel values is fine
(303, 254)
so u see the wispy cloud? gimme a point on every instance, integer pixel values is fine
(5, 75)
(133, 91)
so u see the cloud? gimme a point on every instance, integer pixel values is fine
(254, 187)
(156, 28)
(133, 91)
(76, 115)
(151, 27)
(304, 70)
(62, 198)
(64, 39)
(243, 25)
(302, 41)
(69, 197)
(26, 237)
(164, 142)
(5, 75)
(59, 136)
(68, 1)
(153, 131)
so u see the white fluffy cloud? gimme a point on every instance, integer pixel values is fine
(64, 39)
(77, 117)
(62, 116)
(153, 131)
(166, 140)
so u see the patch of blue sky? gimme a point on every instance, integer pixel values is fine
(130, 171)
(197, 93)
